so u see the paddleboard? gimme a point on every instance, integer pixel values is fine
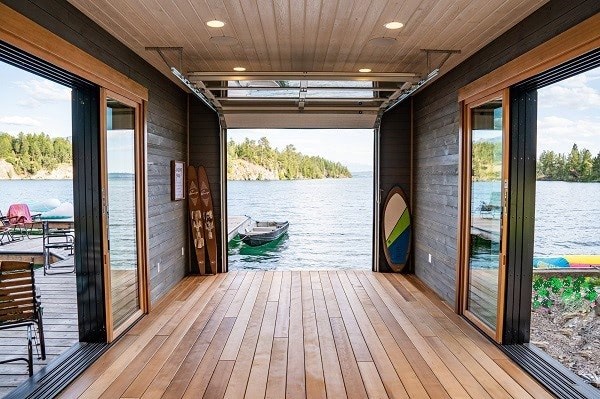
(397, 229)
(196, 220)
(210, 232)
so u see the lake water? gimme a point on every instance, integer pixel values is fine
(122, 218)
(331, 223)
(331, 220)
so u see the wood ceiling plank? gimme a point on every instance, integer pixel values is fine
(366, 55)
(411, 17)
(496, 26)
(364, 32)
(266, 12)
(239, 29)
(312, 20)
(267, 46)
(237, 55)
(329, 11)
(416, 60)
(171, 18)
(281, 12)
(297, 33)
(361, 10)
(308, 35)
(246, 15)
(194, 26)
(427, 23)
(344, 10)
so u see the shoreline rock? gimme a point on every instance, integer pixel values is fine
(63, 171)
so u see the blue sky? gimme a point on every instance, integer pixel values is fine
(30, 104)
(351, 147)
(569, 112)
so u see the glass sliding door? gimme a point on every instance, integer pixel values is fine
(121, 213)
(485, 213)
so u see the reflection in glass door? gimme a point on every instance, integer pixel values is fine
(484, 263)
(121, 214)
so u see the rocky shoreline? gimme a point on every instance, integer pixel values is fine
(63, 171)
(240, 169)
(570, 336)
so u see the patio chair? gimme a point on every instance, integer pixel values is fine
(20, 307)
(7, 230)
(20, 215)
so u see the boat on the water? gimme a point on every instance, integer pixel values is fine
(260, 233)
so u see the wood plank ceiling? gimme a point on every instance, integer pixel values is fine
(306, 36)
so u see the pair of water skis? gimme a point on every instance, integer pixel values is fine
(202, 219)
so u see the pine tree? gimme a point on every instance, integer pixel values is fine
(596, 168)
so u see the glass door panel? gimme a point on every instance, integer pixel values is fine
(484, 272)
(121, 213)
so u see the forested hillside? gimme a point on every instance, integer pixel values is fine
(578, 166)
(268, 163)
(30, 153)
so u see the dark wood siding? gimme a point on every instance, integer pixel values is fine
(87, 203)
(436, 124)
(394, 159)
(205, 148)
(166, 131)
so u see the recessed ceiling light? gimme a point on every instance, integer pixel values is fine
(239, 69)
(224, 40)
(215, 23)
(382, 41)
(365, 70)
(394, 25)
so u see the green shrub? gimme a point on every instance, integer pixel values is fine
(573, 293)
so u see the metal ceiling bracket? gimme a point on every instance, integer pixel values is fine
(161, 50)
(432, 73)
(302, 95)
(194, 90)
(412, 89)
(447, 55)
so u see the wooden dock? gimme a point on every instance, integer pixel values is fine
(31, 248)
(486, 228)
(59, 300)
(234, 223)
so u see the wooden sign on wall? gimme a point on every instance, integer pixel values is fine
(177, 180)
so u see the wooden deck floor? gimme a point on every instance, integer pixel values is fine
(303, 334)
(59, 299)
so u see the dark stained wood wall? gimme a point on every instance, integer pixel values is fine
(205, 147)
(394, 160)
(166, 131)
(436, 124)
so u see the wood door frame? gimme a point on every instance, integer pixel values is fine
(464, 218)
(141, 212)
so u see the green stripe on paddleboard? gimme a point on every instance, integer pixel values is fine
(401, 225)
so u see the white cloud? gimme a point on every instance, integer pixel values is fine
(43, 91)
(559, 133)
(575, 95)
(580, 92)
(20, 120)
